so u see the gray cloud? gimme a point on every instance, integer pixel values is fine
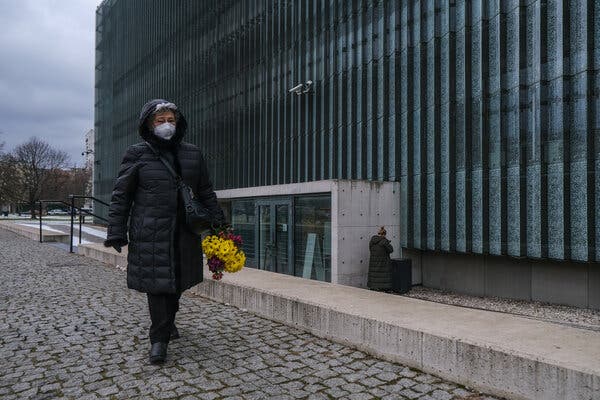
(47, 72)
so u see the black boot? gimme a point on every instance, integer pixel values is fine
(174, 333)
(158, 353)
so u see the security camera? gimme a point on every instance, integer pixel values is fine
(307, 86)
(297, 89)
(301, 88)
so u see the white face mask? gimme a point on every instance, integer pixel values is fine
(165, 131)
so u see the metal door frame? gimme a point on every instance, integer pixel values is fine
(272, 203)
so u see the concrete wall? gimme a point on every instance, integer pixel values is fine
(569, 283)
(359, 208)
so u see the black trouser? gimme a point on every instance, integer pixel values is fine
(163, 308)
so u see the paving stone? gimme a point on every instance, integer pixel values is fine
(370, 382)
(89, 396)
(28, 393)
(19, 387)
(292, 385)
(169, 394)
(50, 388)
(441, 395)
(422, 388)
(107, 391)
(230, 391)
(392, 388)
(393, 396)
(408, 373)
(334, 382)
(298, 394)
(255, 395)
(360, 396)
(313, 388)
(342, 370)
(272, 390)
(411, 394)
(183, 390)
(378, 392)
(353, 376)
(405, 382)
(325, 374)
(318, 396)
(77, 332)
(353, 388)
(336, 393)
(387, 376)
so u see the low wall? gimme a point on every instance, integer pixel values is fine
(33, 233)
(500, 354)
(108, 255)
(568, 283)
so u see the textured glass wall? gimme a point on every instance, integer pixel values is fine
(485, 111)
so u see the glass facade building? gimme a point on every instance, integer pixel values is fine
(285, 234)
(487, 113)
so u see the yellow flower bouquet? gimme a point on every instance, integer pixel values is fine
(223, 253)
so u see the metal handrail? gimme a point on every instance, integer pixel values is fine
(80, 196)
(41, 208)
(72, 214)
(75, 196)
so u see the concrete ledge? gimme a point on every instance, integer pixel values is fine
(34, 233)
(107, 255)
(496, 353)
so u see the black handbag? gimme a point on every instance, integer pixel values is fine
(197, 217)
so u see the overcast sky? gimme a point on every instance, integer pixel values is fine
(47, 72)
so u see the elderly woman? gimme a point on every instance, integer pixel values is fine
(164, 258)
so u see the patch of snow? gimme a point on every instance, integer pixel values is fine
(44, 226)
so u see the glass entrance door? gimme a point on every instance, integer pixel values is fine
(265, 244)
(275, 235)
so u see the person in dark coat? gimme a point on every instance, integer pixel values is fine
(380, 274)
(146, 212)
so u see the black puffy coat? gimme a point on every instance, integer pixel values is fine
(163, 256)
(380, 274)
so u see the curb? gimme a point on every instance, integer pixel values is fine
(490, 370)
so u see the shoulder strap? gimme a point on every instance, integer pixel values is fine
(166, 163)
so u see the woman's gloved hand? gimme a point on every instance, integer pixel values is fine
(221, 222)
(115, 244)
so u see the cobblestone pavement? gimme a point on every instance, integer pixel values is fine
(69, 328)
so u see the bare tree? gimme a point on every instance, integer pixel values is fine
(37, 161)
(10, 188)
(62, 182)
(79, 178)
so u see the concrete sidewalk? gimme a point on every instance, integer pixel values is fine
(493, 352)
